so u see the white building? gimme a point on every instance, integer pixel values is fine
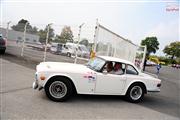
(18, 36)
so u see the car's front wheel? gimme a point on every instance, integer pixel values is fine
(58, 90)
(135, 93)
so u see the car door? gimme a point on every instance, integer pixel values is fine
(109, 83)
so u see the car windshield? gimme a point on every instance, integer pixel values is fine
(96, 64)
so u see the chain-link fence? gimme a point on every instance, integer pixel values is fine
(58, 43)
(111, 44)
(66, 43)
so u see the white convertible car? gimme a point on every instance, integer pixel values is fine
(61, 80)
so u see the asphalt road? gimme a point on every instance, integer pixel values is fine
(20, 101)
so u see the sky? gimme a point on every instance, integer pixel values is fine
(133, 20)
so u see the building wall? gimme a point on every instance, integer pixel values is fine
(18, 36)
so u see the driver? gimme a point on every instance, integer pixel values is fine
(109, 67)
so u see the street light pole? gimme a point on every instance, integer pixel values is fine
(47, 37)
(24, 39)
(79, 34)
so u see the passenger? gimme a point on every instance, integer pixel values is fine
(109, 67)
(118, 69)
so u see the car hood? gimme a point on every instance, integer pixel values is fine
(62, 67)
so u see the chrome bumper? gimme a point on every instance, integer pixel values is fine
(35, 85)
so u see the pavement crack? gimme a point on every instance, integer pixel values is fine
(15, 90)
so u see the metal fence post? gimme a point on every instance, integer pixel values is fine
(47, 37)
(78, 41)
(144, 56)
(7, 29)
(96, 35)
(22, 51)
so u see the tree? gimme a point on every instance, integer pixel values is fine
(173, 49)
(58, 39)
(21, 24)
(43, 33)
(84, 42)
(152, 45)
(66, 34)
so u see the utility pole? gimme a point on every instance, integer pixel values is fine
(79, 34)
(24, 39)
(47, 37)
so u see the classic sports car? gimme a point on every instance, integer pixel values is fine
(61, 80)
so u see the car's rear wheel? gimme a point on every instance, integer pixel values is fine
(2, 51)
(135, 93)
(59, 89)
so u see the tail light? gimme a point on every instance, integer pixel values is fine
(3, 42)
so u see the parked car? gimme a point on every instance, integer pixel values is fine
(56, 48)
(2, 44)
(176, 66)
(84, 52)
(150, 63)
(70, 50)
(35, 45)
(61, 80)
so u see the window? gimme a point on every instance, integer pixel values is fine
(131, 70)
(115, 68)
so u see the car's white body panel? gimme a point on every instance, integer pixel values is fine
(87, 81)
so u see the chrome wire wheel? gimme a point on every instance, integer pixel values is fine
(136, 92)
(58, 89)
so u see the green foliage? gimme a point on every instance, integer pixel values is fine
(42, 36)
(173, 49)
(43, 33)
(66, 35)
(58, 39)
(166, 59)
(20, 27)
(84, 42)
(152, 45)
